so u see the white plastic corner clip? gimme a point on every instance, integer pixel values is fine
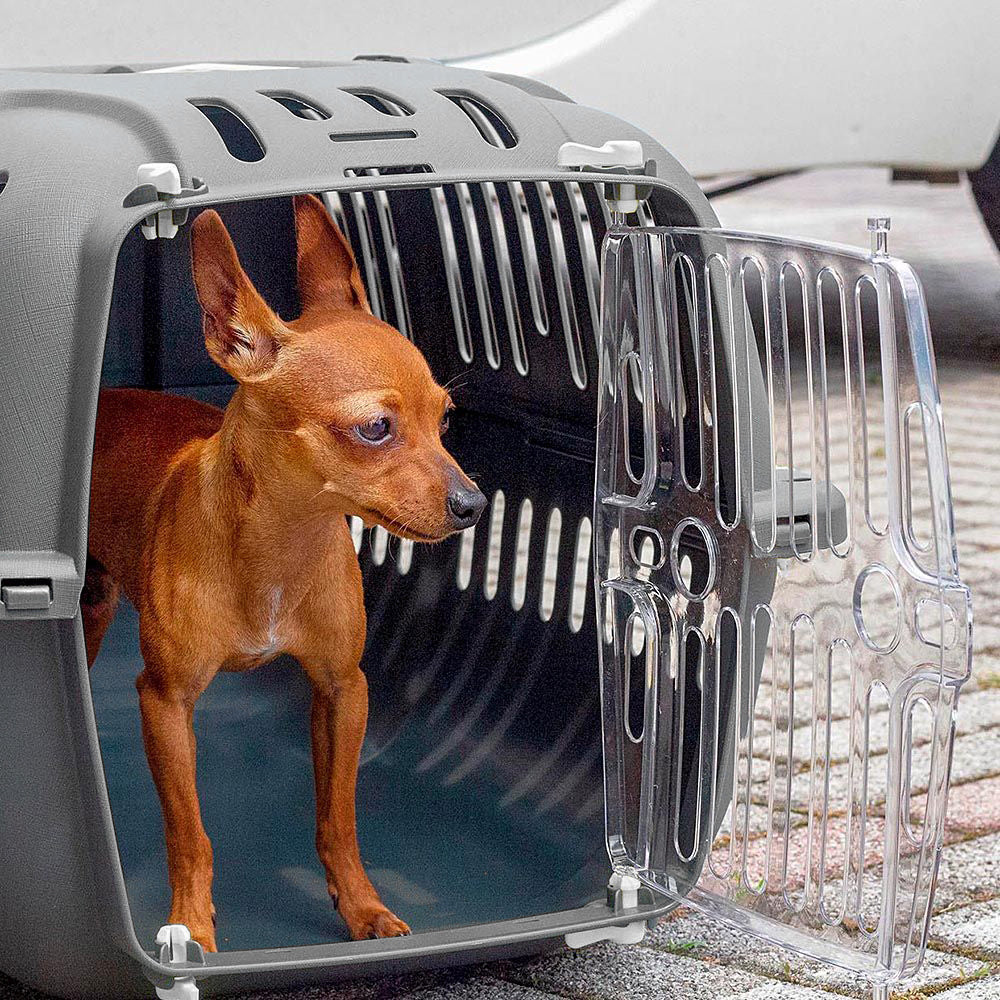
(619, 153)
(173, 941)
(166, 178)
(625, 154)
(625, 889)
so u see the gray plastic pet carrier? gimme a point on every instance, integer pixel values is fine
(733, 667)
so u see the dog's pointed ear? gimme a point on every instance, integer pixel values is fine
(242, 334)
(328, 272)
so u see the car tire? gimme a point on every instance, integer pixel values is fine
(986, 190)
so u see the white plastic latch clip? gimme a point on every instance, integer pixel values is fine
(173, 942)
(625, 891)
(166, 178)
(621, 155)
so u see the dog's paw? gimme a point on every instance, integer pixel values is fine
(372, 921)
(200, 921)
(206, 938)
(201, 931)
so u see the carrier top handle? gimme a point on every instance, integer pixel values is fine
(623, 156)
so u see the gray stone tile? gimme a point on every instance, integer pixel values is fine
(977, 711)
(783, 991)
(986, 635)
(976, 756)
(703, 938)
(477, 988)
(979, 988)
(969, 872)
(610, 972)
(372, 988)
(974, 929)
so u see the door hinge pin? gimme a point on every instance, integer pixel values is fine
(879, 227)
(623, 156)
(158, 182)
(166, 178)
(177, 948)
(623, 894)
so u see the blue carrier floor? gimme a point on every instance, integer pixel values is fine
(448, 840)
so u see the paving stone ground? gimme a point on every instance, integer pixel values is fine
(689, 956)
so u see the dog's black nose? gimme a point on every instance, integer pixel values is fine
(465, 505)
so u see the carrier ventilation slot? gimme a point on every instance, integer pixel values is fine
(550, 565)
(488, 121)
(390, 243)
(365, 243)
(564, 286)
(581, 574)
(518, 257)
(394, 133)
(4, 178)
(241, 140)
(297, 105)
(377, 170)
(532, 552)
(382, 102)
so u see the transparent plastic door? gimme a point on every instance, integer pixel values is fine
(784, 632)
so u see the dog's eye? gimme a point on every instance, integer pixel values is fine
(376, 431)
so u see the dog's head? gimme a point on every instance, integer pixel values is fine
(345, 405)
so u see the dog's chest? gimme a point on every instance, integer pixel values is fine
(265, 638)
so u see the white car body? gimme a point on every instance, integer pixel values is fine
(735, 85)
(727, 85)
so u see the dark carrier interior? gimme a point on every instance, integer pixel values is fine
(480, 793)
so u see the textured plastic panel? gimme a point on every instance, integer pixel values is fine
(832, 700)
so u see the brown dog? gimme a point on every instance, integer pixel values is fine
(228, 530)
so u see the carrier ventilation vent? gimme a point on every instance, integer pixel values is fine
(366, 243)
(297, 105)
(241, 140)
(520, 261)
(535, 546)
(390, 133)
(489, 122)
(382, 102)
(4, 177)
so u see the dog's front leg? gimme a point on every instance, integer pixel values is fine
(339, 717)
(168, 734)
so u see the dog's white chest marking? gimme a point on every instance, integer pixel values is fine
(272, 642)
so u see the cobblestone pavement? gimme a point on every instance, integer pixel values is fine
(688, 956)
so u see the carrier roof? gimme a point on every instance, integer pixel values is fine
(98, 127)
